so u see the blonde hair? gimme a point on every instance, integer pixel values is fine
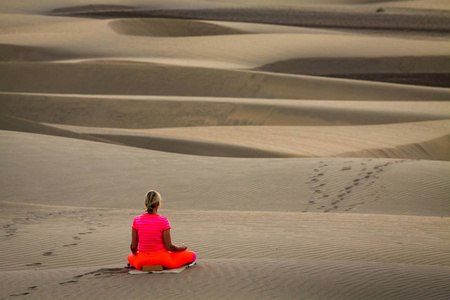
(152, 200)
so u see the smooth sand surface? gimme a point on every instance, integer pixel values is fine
(302, 148)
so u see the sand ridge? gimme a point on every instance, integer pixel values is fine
(104, 78)
(284, 141)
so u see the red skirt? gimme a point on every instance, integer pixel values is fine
(168, 260)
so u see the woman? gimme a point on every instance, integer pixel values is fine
(151, 243)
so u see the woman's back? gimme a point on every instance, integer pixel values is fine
(150, 229)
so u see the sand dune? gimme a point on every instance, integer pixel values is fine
(85, 169)
(424, 70)
(396, 245)
(306, 230)
(83, 5)
(289, 280)
(169, 28)
(227, 45)
(426, 140)
(301, 147)
(154, 79)
(144, 112)
(18, 124)
(357, 15)
(247, 141)
(297, 271)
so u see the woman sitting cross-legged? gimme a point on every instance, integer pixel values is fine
(151, 243)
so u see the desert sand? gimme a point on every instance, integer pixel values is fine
(302, 148)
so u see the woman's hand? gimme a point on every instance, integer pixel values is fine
(182, 247)
(168, 243)
(134, 241)
(133, 250)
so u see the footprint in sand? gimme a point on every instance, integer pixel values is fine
(21, 294)
(352, 206)
(316, 184)
(9, 229)
(377, 167)
(70, 281)
(33, 265)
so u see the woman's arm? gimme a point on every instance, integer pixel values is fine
(168, 243)
(134, 241)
